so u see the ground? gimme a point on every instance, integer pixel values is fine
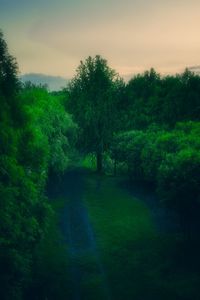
(121, 244)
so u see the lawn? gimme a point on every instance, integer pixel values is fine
(139, 262)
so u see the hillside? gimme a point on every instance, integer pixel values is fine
(54, 83)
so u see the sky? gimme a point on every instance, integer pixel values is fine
(51, 37)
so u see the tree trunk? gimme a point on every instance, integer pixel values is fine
(115, 167)
(99, 158)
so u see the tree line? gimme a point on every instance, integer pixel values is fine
(147, 128)
(36, 138)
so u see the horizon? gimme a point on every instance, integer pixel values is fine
(51, 38)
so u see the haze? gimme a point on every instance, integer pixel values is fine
(51, 37)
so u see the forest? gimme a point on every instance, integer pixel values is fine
(99, 185)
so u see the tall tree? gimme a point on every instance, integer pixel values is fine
(92, 101)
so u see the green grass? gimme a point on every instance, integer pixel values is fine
(116, 215)
(139, 262)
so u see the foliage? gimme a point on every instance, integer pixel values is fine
(150, 125)
(23, 207)
(92, 100)
(52, 127)
(36, 136)
(162, 100)
(167, 159)
(50, 267)
(127, 148)
(179, 181)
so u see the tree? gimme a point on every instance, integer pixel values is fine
(142, 100)
(52, 129)
(93, 103)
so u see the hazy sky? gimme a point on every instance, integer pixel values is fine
(51, 37)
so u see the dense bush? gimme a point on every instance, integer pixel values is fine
(51, 126)
(168, 159)
(179, 180)
(35, 137)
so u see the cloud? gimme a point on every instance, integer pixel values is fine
(52, 37)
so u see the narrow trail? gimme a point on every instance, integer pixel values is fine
(80, 238)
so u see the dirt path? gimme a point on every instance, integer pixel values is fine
(140, 257)
(84, 258)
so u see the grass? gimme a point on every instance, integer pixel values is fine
(113, 209)
(139, 262)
